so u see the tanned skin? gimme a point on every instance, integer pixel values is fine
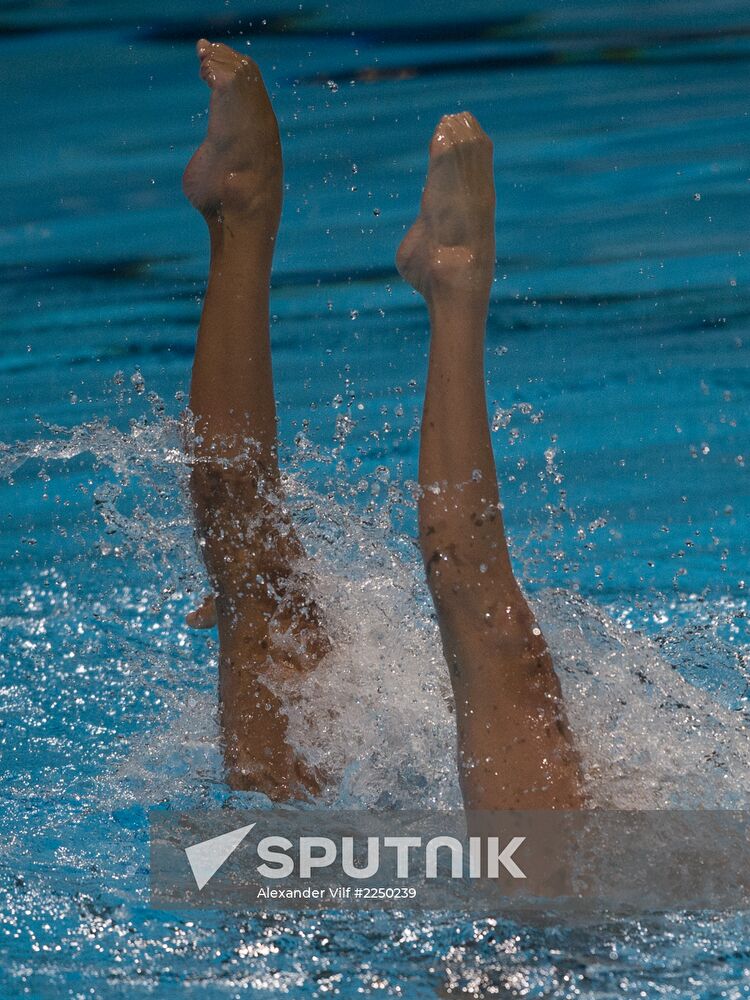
(515, 750)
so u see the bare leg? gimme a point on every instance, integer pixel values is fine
(251, 550)
(514, 748)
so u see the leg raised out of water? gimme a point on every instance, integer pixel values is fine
(262, 604)
(514, 747)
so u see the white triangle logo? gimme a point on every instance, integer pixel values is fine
(207, 857)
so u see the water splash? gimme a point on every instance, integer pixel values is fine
(378, 713)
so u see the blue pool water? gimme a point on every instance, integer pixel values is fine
(619, 380)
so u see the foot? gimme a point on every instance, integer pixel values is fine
(236, 173)
(451, 245)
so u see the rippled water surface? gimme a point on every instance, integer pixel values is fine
(619, 381)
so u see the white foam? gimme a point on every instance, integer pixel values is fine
(377, 713)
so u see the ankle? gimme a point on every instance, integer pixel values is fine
(458, 303)
(246, 239)
(457, 271)
(243, 202)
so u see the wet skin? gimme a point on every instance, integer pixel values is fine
(514, 746)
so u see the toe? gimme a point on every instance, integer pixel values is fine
(207, 71)
(217, 72)
(220, 49)
(216, 51)
(439, 137)
(230, 57)
(470, 128)
(446, 133)
(455, 129)
(220, 65)
(473, 129)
